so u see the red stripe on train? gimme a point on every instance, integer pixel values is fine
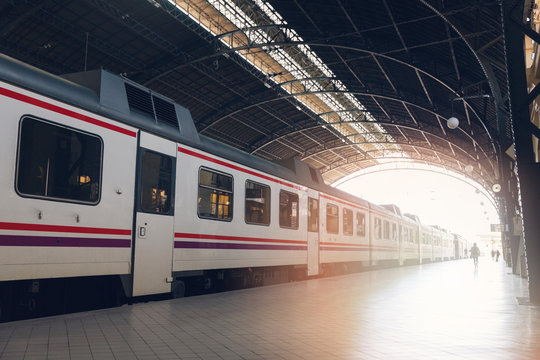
(60, 110)
(235, 167)
(62, 229)
(344, 202)
(234, 238)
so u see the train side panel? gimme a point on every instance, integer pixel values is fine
(344, 232)
(206, 239)
(410, 247)
(41, 235)
(384, 242)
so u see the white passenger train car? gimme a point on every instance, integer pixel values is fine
(107, 185)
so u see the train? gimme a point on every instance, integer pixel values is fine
(108, 190)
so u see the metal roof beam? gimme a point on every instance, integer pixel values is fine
(430, 17)
(437, 153)
(419, 76)
(267, 101)
(384, 73)
(452, 52)
(474, 176)
(431, 147)
(396, 28)
(78, 35)
(371, 53)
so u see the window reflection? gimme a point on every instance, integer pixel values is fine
(215, 195)
(156, 183)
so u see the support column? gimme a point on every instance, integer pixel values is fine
(528, 171)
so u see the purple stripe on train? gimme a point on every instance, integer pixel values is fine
(330, 248)
(23, 240)
(219, 245)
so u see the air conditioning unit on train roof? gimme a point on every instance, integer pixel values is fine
(413, 217)
(393, 208)
(144, 107)
(307, 173)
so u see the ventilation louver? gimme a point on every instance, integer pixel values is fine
(142, 101)
(165, 112)
(139, 100)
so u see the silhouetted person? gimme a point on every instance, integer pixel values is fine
(492, 254)
(475, 253)
(497, 254)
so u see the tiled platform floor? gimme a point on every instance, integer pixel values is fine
(437, 311)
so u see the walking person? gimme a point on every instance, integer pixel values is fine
(497, 254)
(475, 253)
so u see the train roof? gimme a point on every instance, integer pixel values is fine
(393, 208)
(118, 98)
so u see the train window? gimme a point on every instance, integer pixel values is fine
(215, 200)
(332, 219)
(288, 210)
(378, 228)
(405, 235)
(257, 203)
(411, 238)
(347, 222)
(156, 183)
(395, 232)
(313, 215)
(386, 229)
(360, 224)
(58, 163)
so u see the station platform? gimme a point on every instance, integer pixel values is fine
(446, 310)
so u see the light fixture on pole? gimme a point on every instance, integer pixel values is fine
(452, 121)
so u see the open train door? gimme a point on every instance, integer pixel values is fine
(154, 216)
(313, 233)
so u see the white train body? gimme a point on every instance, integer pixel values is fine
(94, 184)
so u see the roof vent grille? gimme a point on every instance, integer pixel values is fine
(159, 109)
(139, 100)
(165, 112)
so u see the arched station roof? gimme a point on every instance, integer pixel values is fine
(340, 84)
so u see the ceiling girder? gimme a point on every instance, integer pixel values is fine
(450, 161)
(376, 54)
(222, 117)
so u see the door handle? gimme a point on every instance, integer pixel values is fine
(142, 231)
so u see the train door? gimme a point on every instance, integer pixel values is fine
(313, 234)
(154, 216)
